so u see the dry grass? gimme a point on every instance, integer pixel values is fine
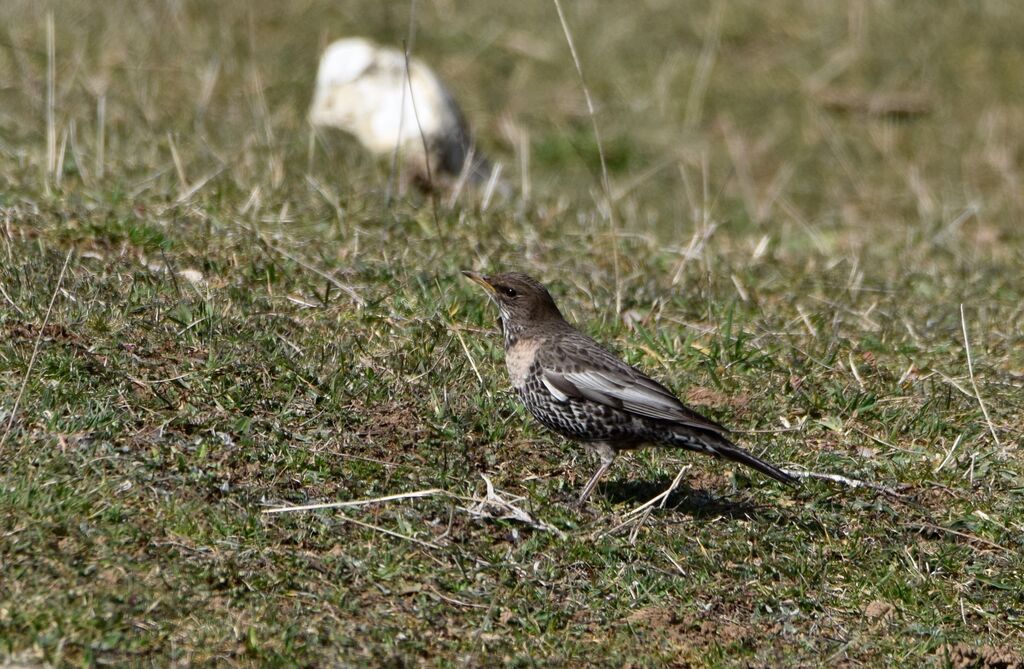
(245, 323)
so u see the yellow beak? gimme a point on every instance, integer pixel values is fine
(479, 278)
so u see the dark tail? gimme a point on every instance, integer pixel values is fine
(718, 446)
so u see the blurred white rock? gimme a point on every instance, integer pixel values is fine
(359, 89)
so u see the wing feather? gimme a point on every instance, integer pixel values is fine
(646, 399)
(625, 389)
(555, 390)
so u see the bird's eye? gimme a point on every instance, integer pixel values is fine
(511, 292)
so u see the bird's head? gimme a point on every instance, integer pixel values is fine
(521, 299)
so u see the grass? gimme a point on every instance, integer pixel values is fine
(244, 324)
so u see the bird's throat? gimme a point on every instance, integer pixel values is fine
(510, 332)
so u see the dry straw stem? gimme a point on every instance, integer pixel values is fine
(35, 349)
(51, 124)
(974, 385)
(370, 526)
(638, 516)
(963, 535)
(407, 45)
(469, 356)
(431, 492)
(845, 480)
(401, 108)
(605, 183)
(347, 289)
(949, 455)
(507, 510)
(423, 138)
(480, 509)
(392, 533)
(898, 104)
(101, 133)
(492, 184)
(460, 182)
(702, 77)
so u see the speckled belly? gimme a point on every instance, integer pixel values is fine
(580, 419)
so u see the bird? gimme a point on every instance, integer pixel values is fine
(577, 388)
(365, 90)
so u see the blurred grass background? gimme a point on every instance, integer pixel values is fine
(805, 194)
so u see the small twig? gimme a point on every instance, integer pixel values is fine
(316, 270)
(974, 385)
(698, 241)
(179, 168)
(605, 182)
(844, 480)
(856, 372)
(307, 266)
(35, 350)
(897, 104)
(523, 148)
(391, 533)
(637, 181)
(452, 600)
(195, 187)
(370, 526)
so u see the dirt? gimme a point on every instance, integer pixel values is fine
(392, 423)
(879, 610)
(690, 630)
(965, 656)
(654, 617)
(52, 332)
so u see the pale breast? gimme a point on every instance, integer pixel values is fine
(519, 357)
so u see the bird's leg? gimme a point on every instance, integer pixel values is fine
(607, 454)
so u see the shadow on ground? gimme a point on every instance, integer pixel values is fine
(695, 503)
(684, 499)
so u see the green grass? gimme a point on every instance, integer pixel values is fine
(794, 271)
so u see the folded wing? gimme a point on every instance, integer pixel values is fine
(627, 389)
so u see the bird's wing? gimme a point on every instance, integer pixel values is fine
(607, 380)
